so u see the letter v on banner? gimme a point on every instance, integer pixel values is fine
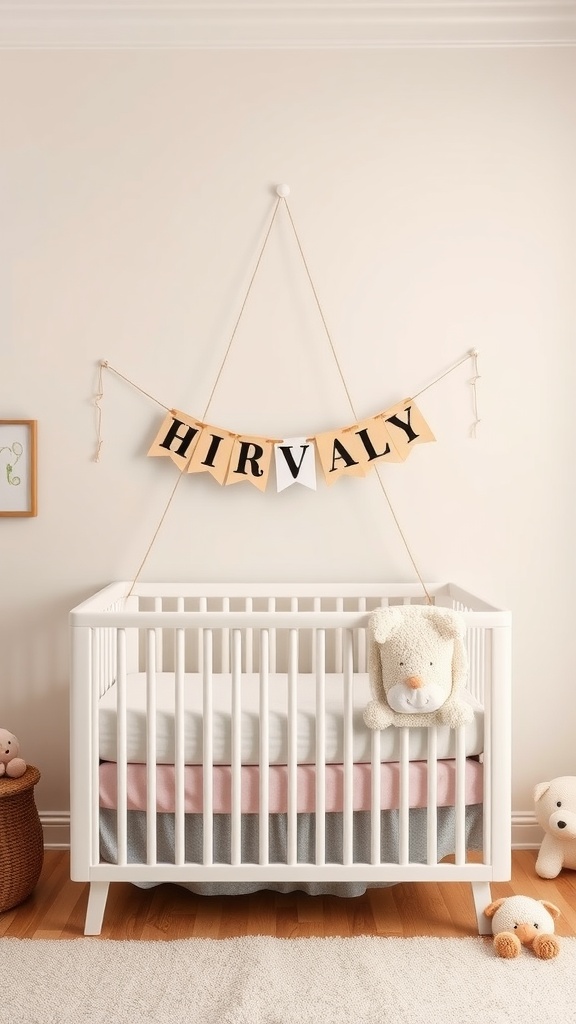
(295, 463)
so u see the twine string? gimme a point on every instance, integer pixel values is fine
(473, 384)
(97, 400)
(209, 402)
(473, 354)
(341, 372)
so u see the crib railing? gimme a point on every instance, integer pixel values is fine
(177, 629)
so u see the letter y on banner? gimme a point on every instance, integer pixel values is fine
(295, 463)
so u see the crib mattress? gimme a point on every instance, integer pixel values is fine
(277, 722)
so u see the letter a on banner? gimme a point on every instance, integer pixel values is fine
(177, 437)
(295, 463)
(338, 450)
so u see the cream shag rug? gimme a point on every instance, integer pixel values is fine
(261, 980)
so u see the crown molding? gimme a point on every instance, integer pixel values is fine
(284, 24)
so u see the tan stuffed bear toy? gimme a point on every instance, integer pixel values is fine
(521, 921)
(10, 763)
(417, 666)
(555, 806)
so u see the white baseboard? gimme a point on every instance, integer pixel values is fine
(526, 832)
(56, 828)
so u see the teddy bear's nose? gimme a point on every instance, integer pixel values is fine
(561, 824)
(414, 682)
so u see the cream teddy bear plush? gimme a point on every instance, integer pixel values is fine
(555, 806)
(521, 921)
(10, 763)
(417, 667)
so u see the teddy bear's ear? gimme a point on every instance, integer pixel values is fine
(551, 908)
(448, 624)
(491, 910)
(383, 622)
(539, 789)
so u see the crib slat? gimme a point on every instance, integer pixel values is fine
(151, 746)
(225, 639)
(96, 671)
(317, 606)
(236, 837)
(292, 746)
(159, 636)
(272, 635)
(487, 759)
(361, 660)
(432, 798)
(249, 655)
(320, 746)
(375, 800)
(121, 749)
(348, 652)
(460, 797)
(202, 607)
(404, 812)
(338, 639)
(179, 822)
(207, 758)
(264, 749)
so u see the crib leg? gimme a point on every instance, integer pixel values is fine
(482, 899)
(96, 905)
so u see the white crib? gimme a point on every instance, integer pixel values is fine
(217, 740)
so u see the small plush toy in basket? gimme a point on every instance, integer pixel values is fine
(11, 764)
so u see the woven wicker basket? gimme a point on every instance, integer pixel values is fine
(21, 838)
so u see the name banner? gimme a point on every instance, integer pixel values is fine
(231, 458)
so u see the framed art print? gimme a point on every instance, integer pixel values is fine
(18, 468)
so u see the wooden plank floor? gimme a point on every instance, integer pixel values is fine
(56, 908)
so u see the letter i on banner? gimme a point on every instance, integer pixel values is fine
(295, 463)
(177, 437)
(212, 453)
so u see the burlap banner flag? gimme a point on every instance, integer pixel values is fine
(250, 461)
(177, 437)
(349, 451)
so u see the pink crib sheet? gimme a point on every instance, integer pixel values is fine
(278, 786)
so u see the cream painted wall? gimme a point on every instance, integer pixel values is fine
(434, 196)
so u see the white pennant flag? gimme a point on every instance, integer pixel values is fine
(295, 463)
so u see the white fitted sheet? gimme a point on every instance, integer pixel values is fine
(278, 721)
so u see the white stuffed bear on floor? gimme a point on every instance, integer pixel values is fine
(417, 667)
(521, 921)
(555, 806)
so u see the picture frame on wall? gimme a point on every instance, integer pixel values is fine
(18, 455)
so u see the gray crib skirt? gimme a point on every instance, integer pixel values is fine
(278, 843)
